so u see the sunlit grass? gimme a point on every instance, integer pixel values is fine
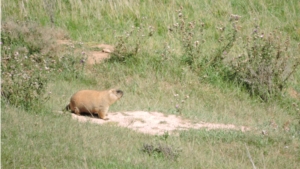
(57, 141)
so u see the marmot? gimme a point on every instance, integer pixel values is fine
(94, 102)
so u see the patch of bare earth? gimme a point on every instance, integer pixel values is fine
(155, 123)
(293, 93)
(93, 56)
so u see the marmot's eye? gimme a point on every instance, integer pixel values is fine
(120, 91)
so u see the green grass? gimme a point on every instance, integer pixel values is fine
(56, 141)
(42, 138)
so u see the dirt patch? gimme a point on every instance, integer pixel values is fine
(95, 57)
(95, 53)
(293, 93)
(155, 123)
(63, 42)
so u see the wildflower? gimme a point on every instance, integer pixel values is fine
(25, 76)
(83, 53)
(262, 35)
(264, 132)
(191, 24)
(82, 61)
(177, 106)
(16, 54)
(234, 17)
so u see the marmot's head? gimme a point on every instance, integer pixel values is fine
(115, 94)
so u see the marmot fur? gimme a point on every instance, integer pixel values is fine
(94, 102)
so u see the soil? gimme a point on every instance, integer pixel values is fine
(93, 56)
(155, 123)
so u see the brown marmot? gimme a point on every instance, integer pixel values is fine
(94, 102)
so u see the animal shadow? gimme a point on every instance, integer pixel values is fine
(91, 115)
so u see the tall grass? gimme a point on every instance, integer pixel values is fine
(173, 56)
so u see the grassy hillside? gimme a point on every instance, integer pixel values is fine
(237, 61)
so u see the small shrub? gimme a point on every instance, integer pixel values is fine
(192, 39)
(129, 45)
(266, 65)
(161, 149)
(190, 36)
(180, 103)
(226, 42)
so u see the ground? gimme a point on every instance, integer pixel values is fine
(155, 123)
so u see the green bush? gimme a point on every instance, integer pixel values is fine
(266, 64)
(190, 35)
(29, 57)
(129, 44)
(192, 38)
(263, 69)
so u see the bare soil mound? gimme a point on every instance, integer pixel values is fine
(155, 123)
(93, 56)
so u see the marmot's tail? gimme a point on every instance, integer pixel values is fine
(67, 108)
